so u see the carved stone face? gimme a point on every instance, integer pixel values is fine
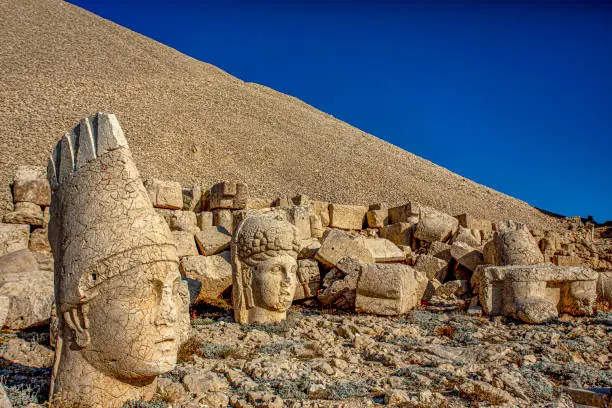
(137, 321)
(274, 283)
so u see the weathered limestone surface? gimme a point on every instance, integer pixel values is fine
(470, 237)
(339, 244)
(604, 286)
(567, 260)
(321, 208)
(536, 293)
(340, 287)
(399, 233)
(469, 222)
(432, 267)
(213, 272)
(316, 226)
(468, 257)
(121, 303)
(377, 218)
(264, 252)
(309, 279)
(350, 217)
(383, 250)
(13, 237)
(513, 244)
(192, 198)
(223, 218)
(30, 185)
(179, 220)
(405, 213)
(39, 241)
(212, 240)
(185, 243)
(440, 250)
(204, 219)
(165, 194)
(25, 213)
(389, 289)
(27, 291)
(228, 195)
(434, 225)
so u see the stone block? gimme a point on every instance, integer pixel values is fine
(604, 286)
(179, 220)
(467, 257)
(408, 212)
(377, 218)
(204, 219)
(30, 184)
(165, 194)
(28, 290)
(212, 240)
(192, 198)
(432, 267)
(389, 289)
(513, 246)
(470, 237)
(339, 289)
(39, 241)
(383, 250)
(338, 244)
(185, 243)
(469, 222)
(301, 199)
(316, 226)
(223, 218)
(228, 195)
(399, 233)
(535, 293)
(434, 225)
(348, 217)
(309, 248)
(453, 289)
(379, 206)
(25, 213)
(258, 203)
(567, 260)
(309, 279)
(214, 272)
(300, 217)
(440, 250)
(13, 237)
(321, 208)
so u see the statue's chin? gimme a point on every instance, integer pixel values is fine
(132, 369)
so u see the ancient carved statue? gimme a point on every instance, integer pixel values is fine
(264, 261)
(121, 303)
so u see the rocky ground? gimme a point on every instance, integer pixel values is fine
(328, 359)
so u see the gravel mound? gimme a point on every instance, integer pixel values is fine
(189, 121)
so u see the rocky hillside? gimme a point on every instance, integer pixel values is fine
(191, 122)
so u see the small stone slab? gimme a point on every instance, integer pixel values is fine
(214, 272)
(348, 217)
(212, 240)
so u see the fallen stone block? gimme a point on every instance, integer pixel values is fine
(339, 244)
(383, 250)
(339, 289)
(567, 260)
(316, 226)
(348, 217)
(179, 220)
(39, 241)
(213, 240)
(467, 236)
(467, 257)
(469, 222)
(13, 237)
(399, 233)
(604, 286)
(440, 250)
(25, 213)
(389, 289)
(430, 289)
(309, 248)
(224, 218)
(28, 291)
(408, 212)
(513, 245)
(434, 225)
(30, 184)
(204, 219)
(535, 293)
(228, 195)
(309, 279)
(453, 289)
(192, 198)
(185, 243)
(300, 217)
(321, 208)
(377, 218)
(432, 267)
(258, 203)
(214, 272)
(165, 194)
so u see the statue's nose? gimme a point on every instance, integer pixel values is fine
(166, 309)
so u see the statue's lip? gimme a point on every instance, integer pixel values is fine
(164, 339)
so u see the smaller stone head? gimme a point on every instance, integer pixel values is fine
(264, 261)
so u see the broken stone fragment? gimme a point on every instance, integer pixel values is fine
(470, 237)
(316, 226)
(467, 257)
(214, 272)
(440, 250)
(432, 267)
(204, 219)
(469, 222)
(348, 217)
(377, 218)
(389, 289)
(212, 240)
(321, 208)
(309, 248)
(339, 289)
(179, 220)
(408, 212)
(39, 241)
(434, 225)
(13, 237)
(192, 198)
(604, 286)
(259, 203)
(165, 194)
(453, 289)
(25, 213)
(185, 243)
(567, 260)
(513, 244)
(309, 279)
(338, 244)
(228, 195)
(383, 250)
(399, 233)
(223, 218)
(30, 184)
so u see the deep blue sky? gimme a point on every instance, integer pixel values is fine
(516, 96)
